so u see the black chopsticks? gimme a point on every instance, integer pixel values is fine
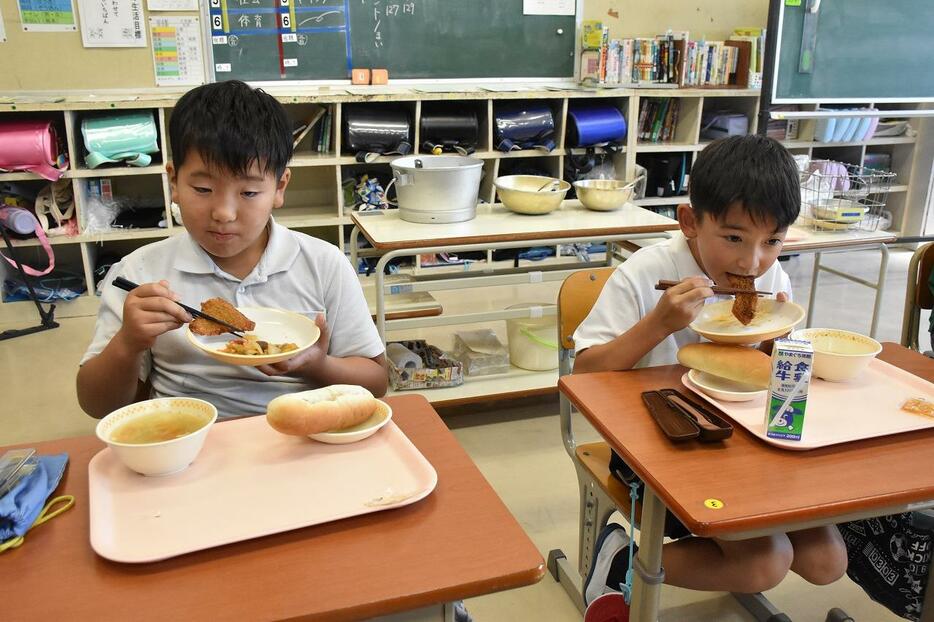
(129, 286)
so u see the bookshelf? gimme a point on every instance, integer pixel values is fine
(315, 199)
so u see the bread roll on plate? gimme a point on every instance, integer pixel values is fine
(737, 363)
(330, 408)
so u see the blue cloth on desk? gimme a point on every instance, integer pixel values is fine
(20, 507)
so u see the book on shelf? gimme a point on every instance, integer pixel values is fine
(671, 60)
(658, 118)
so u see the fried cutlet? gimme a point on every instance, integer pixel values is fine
(744, 306)
(222, 310)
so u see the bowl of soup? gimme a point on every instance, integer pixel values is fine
(159, 436)
(839, 355)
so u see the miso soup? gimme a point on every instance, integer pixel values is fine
(157, 427)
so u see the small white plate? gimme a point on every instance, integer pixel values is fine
(380, 417)
(723, 389)
(272, 325)
(773, 319)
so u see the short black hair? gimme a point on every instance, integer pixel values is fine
(755, 171)
(231, 126)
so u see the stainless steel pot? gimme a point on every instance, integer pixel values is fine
(436, 189)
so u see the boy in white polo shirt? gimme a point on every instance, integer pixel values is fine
(744, 195)
(231, 145)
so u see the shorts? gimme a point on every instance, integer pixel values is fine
(674, 529)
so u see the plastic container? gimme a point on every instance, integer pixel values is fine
(481, 352)
(533, 341)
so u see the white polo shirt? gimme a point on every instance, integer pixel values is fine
(630, 294)
(296, 272)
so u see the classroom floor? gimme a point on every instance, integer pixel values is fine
(516, 447)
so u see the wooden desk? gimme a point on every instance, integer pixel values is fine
(763, 489)
(459, 542)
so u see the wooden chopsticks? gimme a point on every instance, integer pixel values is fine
(726, 291)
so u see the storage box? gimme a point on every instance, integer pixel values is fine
(439, 371)
(480, 352)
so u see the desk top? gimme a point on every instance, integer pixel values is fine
(494, 223)
(460, 541)
(761, 487)
(805, 239)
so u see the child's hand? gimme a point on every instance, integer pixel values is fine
(150, 311)
(681, 304)
(307, 362)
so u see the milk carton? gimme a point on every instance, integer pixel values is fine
(791, 375)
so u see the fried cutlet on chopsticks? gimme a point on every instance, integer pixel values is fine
(744, 305)
(224, 311)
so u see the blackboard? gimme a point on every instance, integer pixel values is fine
(867, 50)
(272, 40)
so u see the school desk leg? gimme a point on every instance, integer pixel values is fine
(648, 575)
(812, 297)
(879, 287)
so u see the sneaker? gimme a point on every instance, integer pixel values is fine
(609, 607)
(610, 564)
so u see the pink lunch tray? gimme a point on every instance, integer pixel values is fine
(249, 481)
(840, 412)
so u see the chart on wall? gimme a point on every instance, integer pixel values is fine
(271, 40)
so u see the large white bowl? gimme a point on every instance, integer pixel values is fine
(773, 319)
(521, 194)
(839, 355)
(723, 389)
(159, 458)
(272, 325)
(380, 417)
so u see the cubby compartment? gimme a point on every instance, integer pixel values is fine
(665, 122)
(594, 122)
(549, 166)
(58, 156)
(65, 283)
(108, 205)
(377, 128)
(453, 127)
(118, 140)
(667, 174)
(311, 198)
(524, 127)
(369, 193)
(846, 154)
(727, 116)
(315, 132)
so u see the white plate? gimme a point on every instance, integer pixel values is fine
(380, 417)
(272, 325)
(773, 319)
(723, 389)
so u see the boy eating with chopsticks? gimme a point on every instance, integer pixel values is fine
(744, 195)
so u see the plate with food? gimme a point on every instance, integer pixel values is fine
(269, 335)
(729, 373)
(337, 414)
(733, 321)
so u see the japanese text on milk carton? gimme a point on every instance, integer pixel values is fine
(788, 393)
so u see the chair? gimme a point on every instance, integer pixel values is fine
(601, 494)
(918, 295)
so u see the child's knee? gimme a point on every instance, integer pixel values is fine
(823, 560)
(767, 561)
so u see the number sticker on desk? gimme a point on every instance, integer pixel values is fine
(713, 504)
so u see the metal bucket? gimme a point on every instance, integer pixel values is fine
(437, 189)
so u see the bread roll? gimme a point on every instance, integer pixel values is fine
(335, 407)
(737, 363)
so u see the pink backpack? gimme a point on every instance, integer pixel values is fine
(31, 145)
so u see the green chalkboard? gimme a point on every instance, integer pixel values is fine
(271, 40)
(866, 50)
